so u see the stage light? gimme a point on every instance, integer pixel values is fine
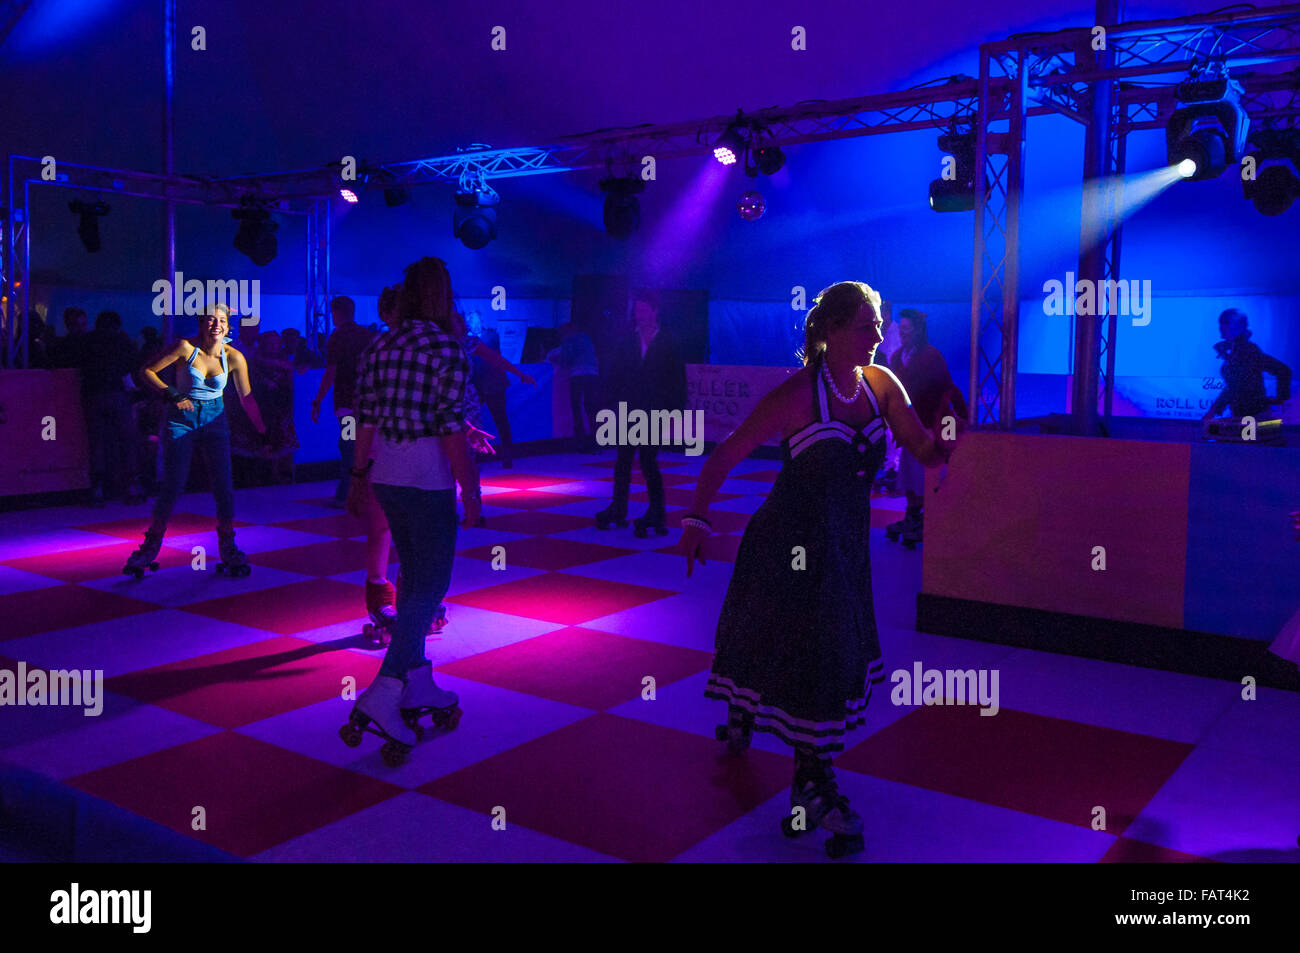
(622, 209)
(730, 145)
(255, 237)
(88, 222)
(769, 160)
(474, 220)
(1209, 125)
(956, 193)
(1276, 183)
(1187, 168)
(348, 196)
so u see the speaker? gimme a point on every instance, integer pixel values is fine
(538, 343)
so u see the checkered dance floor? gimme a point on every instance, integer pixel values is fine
(225, 694)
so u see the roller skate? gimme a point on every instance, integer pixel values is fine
(815, 801)
(912, 534)
(146, 557)
(902, 529)
(422, 696)
(233, 562)
(381, 604)
(738, 731)
(652, 520)
(377, 712)
(616, 512)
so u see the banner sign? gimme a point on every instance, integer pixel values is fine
(728, 393)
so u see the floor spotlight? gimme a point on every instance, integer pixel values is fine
(88, 214)
(255, 237)
(1209, 125)
(622, 208)
(474, 220)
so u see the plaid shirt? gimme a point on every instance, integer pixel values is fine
(411, 382)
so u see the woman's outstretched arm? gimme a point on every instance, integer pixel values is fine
(898, 412)
(762, 425)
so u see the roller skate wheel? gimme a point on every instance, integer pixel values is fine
(842, 845)
(418, 729)
(448, 718)
(788, 828)
(351, 735)
(640, 532)
(394, 754)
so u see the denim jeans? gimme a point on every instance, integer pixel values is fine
(584, 397)
(423, 524)
(348, 457)
(205, 426)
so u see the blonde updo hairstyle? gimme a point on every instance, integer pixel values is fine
(834, 307)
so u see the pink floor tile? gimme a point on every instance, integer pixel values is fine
(579, 784)
(559, 597)
(581, 666)
(254, 795)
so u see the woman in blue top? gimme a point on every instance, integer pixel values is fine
(197, 417)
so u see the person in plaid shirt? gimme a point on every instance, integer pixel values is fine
(411, 417)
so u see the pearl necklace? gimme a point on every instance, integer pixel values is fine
(830, 381)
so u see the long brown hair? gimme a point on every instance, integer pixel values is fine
(426, 296)
(834, 307)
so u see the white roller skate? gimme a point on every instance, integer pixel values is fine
(815, 801)
(377, 712)
(422, 696)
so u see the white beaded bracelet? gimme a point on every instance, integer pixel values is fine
(697, 523)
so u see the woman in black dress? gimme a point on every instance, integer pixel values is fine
(797, 651)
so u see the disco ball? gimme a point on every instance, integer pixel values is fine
(751, 206)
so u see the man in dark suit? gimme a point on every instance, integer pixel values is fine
(648, 374)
